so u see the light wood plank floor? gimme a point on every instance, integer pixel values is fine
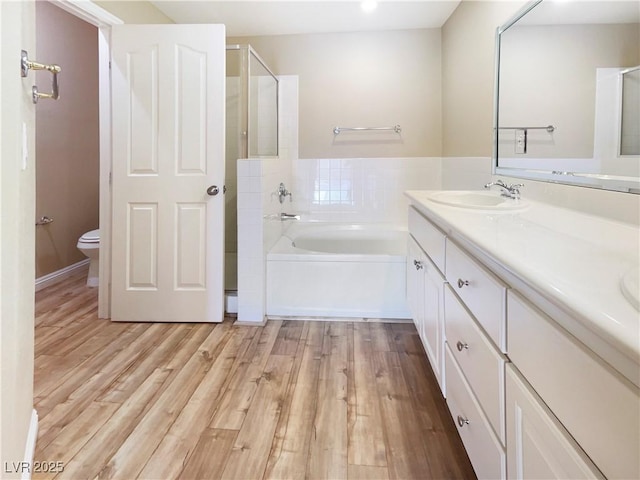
(292, 399)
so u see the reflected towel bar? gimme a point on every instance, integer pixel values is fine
(337, 130)
(548, 128)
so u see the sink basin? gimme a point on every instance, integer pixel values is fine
(477, 199)
(630, 286)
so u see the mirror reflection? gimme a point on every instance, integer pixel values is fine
(568, 102)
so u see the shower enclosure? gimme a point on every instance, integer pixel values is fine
(251, 132)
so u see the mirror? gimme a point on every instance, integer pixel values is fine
(567, 95)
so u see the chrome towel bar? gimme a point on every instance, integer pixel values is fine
(337, 130)
(548, 128)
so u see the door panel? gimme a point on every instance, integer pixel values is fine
(168, 148)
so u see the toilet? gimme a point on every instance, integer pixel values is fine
(89, 245)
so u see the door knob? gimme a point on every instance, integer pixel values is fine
(213, 190)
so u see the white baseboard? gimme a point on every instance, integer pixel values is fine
(58, 275)
(30, 448)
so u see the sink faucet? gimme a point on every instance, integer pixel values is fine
(509, 191)
(289, 216)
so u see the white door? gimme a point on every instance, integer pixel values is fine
(168, 150)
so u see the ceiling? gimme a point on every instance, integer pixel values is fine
(272, 17)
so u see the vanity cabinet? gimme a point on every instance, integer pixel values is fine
(536, 380)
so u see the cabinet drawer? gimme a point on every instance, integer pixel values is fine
(485, 452)
(481, 291)
(539, 446)
(430, 238)
(598, 407)
(480, 362)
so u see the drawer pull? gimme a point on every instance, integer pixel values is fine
(462, 283)
(462, 421)
(461, 346)
(418, 264)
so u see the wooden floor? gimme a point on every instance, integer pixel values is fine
(292, 399)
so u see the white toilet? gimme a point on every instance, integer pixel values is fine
(89, 245)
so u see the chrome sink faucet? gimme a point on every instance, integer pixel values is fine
(289, 216)
(509, 191)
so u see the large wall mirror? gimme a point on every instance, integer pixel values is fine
(568, 94)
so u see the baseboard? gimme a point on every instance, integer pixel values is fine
(250, 323)
(30, 448)
(58, 275)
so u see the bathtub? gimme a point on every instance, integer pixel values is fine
(337, 270)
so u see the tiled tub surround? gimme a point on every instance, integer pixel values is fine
(320, 269)
(359, 190)
(572, 338)
(259, 226)
(354, 190)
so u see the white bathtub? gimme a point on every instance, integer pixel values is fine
(338, 270)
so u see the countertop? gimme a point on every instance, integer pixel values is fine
(568, 263)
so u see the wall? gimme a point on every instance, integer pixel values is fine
(17, 210)
(134, 12)
(468, 41)
(362, 79)
(468, 48)
(67, 139)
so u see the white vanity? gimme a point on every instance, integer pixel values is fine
(521, 312)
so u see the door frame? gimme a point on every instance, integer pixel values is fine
(104, 20)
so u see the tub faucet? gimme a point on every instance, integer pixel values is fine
(509, 191)
(289, 216)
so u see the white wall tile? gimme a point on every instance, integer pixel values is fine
(361, 189)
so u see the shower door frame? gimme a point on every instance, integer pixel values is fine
(245, 76)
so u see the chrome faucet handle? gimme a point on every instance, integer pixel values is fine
(283, 192)
(514, 190)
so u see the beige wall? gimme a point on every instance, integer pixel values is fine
(362, 79)
(134, 12)
(468, 41)
(67, 138)
(17, 179)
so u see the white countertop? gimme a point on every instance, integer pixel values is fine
(572, 260)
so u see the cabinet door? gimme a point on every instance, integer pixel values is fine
(538, 447)
(425, 297)
(415, 283)
(433, 320)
